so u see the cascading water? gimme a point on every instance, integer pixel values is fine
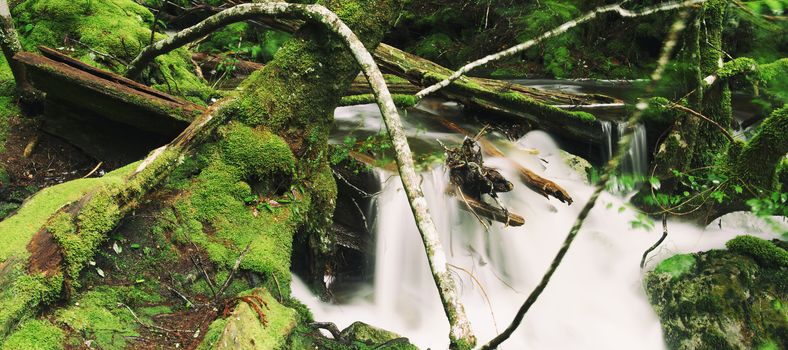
(594, 301)
(607, 130)
(636, 160)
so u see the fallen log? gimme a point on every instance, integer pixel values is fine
(359, 86)
(71, 82)
(502, 98)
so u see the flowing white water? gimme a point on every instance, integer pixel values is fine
(594, 301)
(636, 160)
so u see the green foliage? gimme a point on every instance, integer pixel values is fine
(765, 252)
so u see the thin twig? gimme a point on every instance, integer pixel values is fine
(664, 235)
(331, 327)
(701, 116)
(484, 293)
(232, 274)
(94, 170)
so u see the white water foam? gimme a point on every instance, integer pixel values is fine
(594, 301)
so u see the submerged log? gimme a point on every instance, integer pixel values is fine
(540, 185)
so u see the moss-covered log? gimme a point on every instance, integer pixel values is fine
(71, 82)
(501, 98)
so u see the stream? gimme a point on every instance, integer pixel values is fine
(594, 301)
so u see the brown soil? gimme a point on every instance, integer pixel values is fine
(51, 162)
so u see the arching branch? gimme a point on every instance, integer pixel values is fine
(460, 331)
(616, 8)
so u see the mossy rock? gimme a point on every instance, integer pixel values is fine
(244, 329)
(721, 300)
(371, 335)
(763, 251)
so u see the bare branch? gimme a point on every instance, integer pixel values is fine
(460, 330)
(601, 184)
(9, 43)
(616, 8)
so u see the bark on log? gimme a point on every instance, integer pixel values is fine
(488, 211)
(66, 80)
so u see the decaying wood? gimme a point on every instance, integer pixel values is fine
(540, 185)
(488, 211)
(460, 330)
(45, 255)
(71, 82)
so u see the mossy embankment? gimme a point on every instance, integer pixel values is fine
(724, 299)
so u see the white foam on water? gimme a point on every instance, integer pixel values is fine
(595, 300)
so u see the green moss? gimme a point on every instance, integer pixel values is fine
(741, 65)
(256, 153)
(772, 76)
(724, 302)
(585, 116)
(100, 315)
(400, 100)
(676, 265)
(763, 251)
(35, 335)
(38, 209)
(244, 326)
(21, 293)
(114, 30)
(213, 334)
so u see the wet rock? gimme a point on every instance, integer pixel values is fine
(722, 299)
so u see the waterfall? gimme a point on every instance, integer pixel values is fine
(607, 130)
(635, 162)
(594, 301)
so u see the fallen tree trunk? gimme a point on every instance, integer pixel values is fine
(360, 86)
(501, 98)
(488, 211)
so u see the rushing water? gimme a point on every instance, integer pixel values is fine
(594, 301)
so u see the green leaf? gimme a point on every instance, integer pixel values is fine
(655, 184)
